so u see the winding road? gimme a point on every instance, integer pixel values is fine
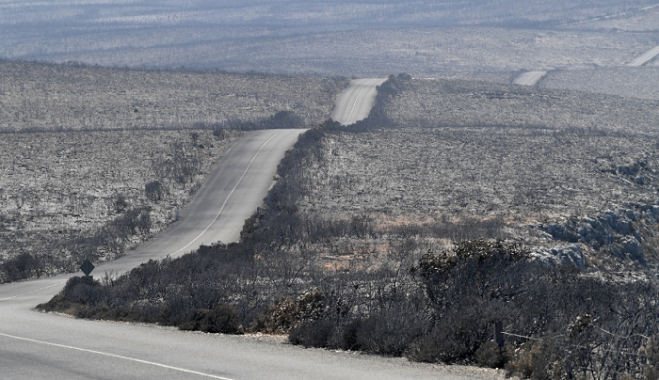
(36, 345)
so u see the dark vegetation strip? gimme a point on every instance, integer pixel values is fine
(438, 308)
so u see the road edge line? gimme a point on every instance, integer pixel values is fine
(117, 357)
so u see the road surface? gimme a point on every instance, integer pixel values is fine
(51, 347)
(644, 58)
(356, 101)
(530, 78)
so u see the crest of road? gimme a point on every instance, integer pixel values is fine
(355, 102)
(35, 345)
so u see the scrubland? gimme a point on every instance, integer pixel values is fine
(67, 196)
(458, 203)
(36, 96)
(412, 236)
(96, 160)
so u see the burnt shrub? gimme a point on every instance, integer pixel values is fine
(194, 320)
(154, 191)
(76, 294)
(279, 120)
(284, 119)
(59, 304)
(535, 360)
(221, 319)
(313, 334)
(21, 267)
(120, 203)
(389, 329)
(82, 290)
(349, 336)
(285, 314)
(460, 332)
(490, 355)
(389, 332)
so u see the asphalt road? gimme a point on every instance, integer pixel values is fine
(529, 78)
(644, 58)
(356, 101)
(36, 345)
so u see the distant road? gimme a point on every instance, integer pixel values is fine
(529, 78)
(644, 58)
(356, 101)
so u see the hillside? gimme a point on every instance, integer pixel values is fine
(94, 161)
(37, 96)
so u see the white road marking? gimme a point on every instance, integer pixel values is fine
(34, 291)
(615, 15)
(117, 357)
(358, 92)
(355, 103)
(229, 196)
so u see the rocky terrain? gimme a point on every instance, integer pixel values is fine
(442, 103)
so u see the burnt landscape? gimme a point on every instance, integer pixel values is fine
(411, 237)
(96, 160)
(36, 97)
(506, 180)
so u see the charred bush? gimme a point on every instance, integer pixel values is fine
(490, 355)
(221, 319)
(154, 191)
(280, 120)
(21, 267)
(313, 334)
(285, 314)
